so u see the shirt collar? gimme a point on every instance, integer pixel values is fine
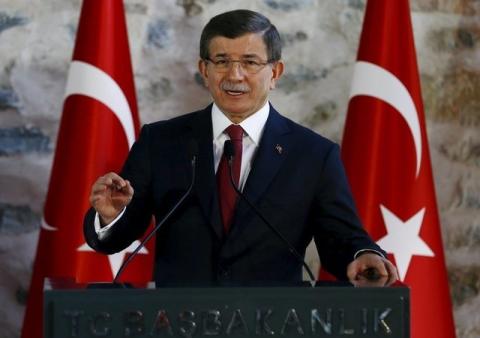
(252, 125)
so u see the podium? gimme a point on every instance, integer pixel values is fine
(325, 311)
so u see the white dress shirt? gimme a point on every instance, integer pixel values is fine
(253, 130)
(252, 126)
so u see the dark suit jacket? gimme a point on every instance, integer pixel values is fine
(301, 190)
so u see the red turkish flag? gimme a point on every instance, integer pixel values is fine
(386, 155)
(98, 126)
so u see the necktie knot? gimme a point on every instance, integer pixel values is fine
(235, 132)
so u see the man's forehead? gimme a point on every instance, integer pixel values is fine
(246, 45)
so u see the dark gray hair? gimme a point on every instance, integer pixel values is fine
(239, 22)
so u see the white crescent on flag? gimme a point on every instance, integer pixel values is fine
(44, 225)
(86, 79)
(372, 80)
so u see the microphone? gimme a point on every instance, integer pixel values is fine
(192, 151)
(229, 152)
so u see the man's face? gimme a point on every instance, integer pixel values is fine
(237, 91)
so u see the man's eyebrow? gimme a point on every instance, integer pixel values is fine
(244, 56)
(250, 56)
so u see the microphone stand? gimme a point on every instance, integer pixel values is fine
(159, 225)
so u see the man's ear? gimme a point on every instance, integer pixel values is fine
(277, 71)
(202, 68)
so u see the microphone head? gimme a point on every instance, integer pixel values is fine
(192, 148)
(228, 149)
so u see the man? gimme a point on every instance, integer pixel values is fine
(294, 177)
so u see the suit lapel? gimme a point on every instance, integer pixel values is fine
(271, 154)
(201, 126)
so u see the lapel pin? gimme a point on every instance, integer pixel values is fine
(279, 149)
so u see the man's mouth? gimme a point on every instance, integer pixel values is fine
(234, 92)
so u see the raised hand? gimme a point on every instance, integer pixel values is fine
(109, 195)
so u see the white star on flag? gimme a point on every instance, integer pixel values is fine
(116, 259)
(403, 239)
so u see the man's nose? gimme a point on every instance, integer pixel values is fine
(235, 71)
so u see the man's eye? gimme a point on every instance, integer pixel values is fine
(221, 62)
(251, 62)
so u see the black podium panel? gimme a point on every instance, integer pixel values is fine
(228, 312)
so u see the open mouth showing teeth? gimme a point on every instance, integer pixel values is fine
(234, 93)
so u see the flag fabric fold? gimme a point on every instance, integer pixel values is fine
(386, 156)
(99, 124)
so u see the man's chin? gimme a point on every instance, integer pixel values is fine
(235, 109)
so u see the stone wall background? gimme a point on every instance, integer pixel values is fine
(321, 38)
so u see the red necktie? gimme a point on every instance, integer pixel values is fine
(226, 194)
